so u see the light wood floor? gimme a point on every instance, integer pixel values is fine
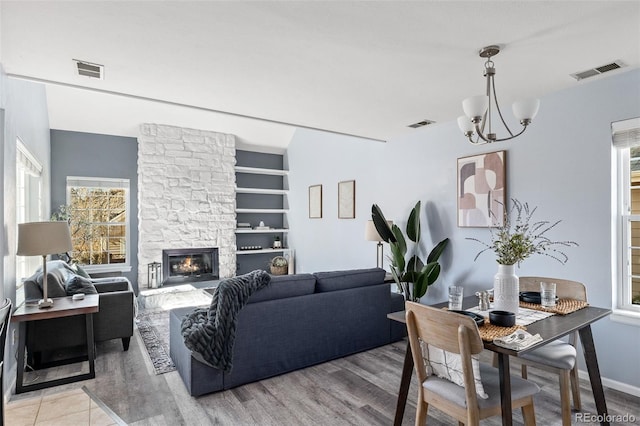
(356, 390)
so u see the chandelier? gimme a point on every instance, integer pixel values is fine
(478, 109)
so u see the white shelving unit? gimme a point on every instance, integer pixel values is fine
(267, 211)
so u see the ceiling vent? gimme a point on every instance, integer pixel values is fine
(598, 70)
(421, 124)
(88, 69)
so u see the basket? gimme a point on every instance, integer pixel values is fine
(279, 270)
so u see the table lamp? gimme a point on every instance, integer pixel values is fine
(42, 239)
(371, 234)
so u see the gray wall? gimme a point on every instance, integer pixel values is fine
(92, 155)
(562, 164)
(25, 117)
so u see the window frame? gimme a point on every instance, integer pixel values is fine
(623, 309)
(29, 208)
(104, 183)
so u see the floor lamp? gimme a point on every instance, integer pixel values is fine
(371, 234)
(42, 239)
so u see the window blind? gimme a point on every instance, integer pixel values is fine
(626, 134)
(27, 161)
(93, 182)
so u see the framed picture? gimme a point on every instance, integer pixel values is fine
(315, 202)
(347, 199)
(481, 190)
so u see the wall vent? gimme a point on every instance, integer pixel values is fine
(421, 123)
(598, 70)
(88, 69)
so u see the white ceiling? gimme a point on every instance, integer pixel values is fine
(363, 68)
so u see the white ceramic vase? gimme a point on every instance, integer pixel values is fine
(506, 289)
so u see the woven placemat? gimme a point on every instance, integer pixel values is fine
(488, 331)
(563, 306)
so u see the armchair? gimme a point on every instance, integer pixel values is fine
(113, 321)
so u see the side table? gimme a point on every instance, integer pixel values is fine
(62, 307)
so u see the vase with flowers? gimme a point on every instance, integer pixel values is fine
(516, 240)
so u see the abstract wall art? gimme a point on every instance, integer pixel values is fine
(347, 199)
(481, 190)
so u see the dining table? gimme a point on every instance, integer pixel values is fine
(551, 328)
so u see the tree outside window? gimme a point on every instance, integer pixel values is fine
(98, 221)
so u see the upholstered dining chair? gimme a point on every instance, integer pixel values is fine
(558, 357)
(5, 315)
(438, 330)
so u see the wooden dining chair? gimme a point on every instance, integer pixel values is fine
(5, 315)
(558, 357)
(458, 335)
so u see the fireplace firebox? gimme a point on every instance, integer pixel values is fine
(189, 265)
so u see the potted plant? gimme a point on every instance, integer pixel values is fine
(279, 266)
(515, 241)
(412, 276)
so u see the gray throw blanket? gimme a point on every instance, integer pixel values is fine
(210, 333)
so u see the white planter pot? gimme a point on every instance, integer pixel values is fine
(506, 289)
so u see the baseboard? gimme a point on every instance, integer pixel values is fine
(613, 384)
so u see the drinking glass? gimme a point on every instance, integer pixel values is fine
(548, 294)
(455, 298)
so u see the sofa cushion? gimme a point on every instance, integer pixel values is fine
(342, 280)
(283, 286)
(76, 284)
(55, 285)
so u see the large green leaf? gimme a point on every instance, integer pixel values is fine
(381, 225)
(413, 224)
(437, 251)
(397, 257)
(399, 239)
(432, 272)
(420, 286)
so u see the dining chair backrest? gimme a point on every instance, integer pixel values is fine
(565, 289)
(439, 327)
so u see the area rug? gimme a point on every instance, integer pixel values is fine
(153, 327)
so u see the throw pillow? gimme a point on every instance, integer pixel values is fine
(77, 284)
(55, 283)
(79, 270)
(448, 365)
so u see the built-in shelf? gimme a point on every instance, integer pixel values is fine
(261, 231)
(267, 250)
(276, 211)
(261, 191)
(257, 171)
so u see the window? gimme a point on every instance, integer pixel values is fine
(28, 208)
(626, 140)
(99, 210)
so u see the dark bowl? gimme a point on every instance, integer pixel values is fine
(532, 297)
(479, 319)
(502, 318)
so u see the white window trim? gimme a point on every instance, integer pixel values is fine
(623, 310)
(97, 182)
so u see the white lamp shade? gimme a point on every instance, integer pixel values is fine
(371, 233)
(475, 106)
(465, 124)
(42, 238)
(526, 109)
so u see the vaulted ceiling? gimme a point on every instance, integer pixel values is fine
(259, 69)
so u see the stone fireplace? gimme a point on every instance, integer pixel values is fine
(186, 194)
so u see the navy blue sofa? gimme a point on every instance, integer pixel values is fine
(297, 321)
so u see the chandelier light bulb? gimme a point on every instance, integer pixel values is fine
(465, 124)
(474, 107)
(526, 109)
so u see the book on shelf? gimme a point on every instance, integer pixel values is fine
(262, 228)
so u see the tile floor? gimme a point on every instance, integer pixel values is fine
(73, 407)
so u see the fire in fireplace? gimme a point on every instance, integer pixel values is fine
(189, 265)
